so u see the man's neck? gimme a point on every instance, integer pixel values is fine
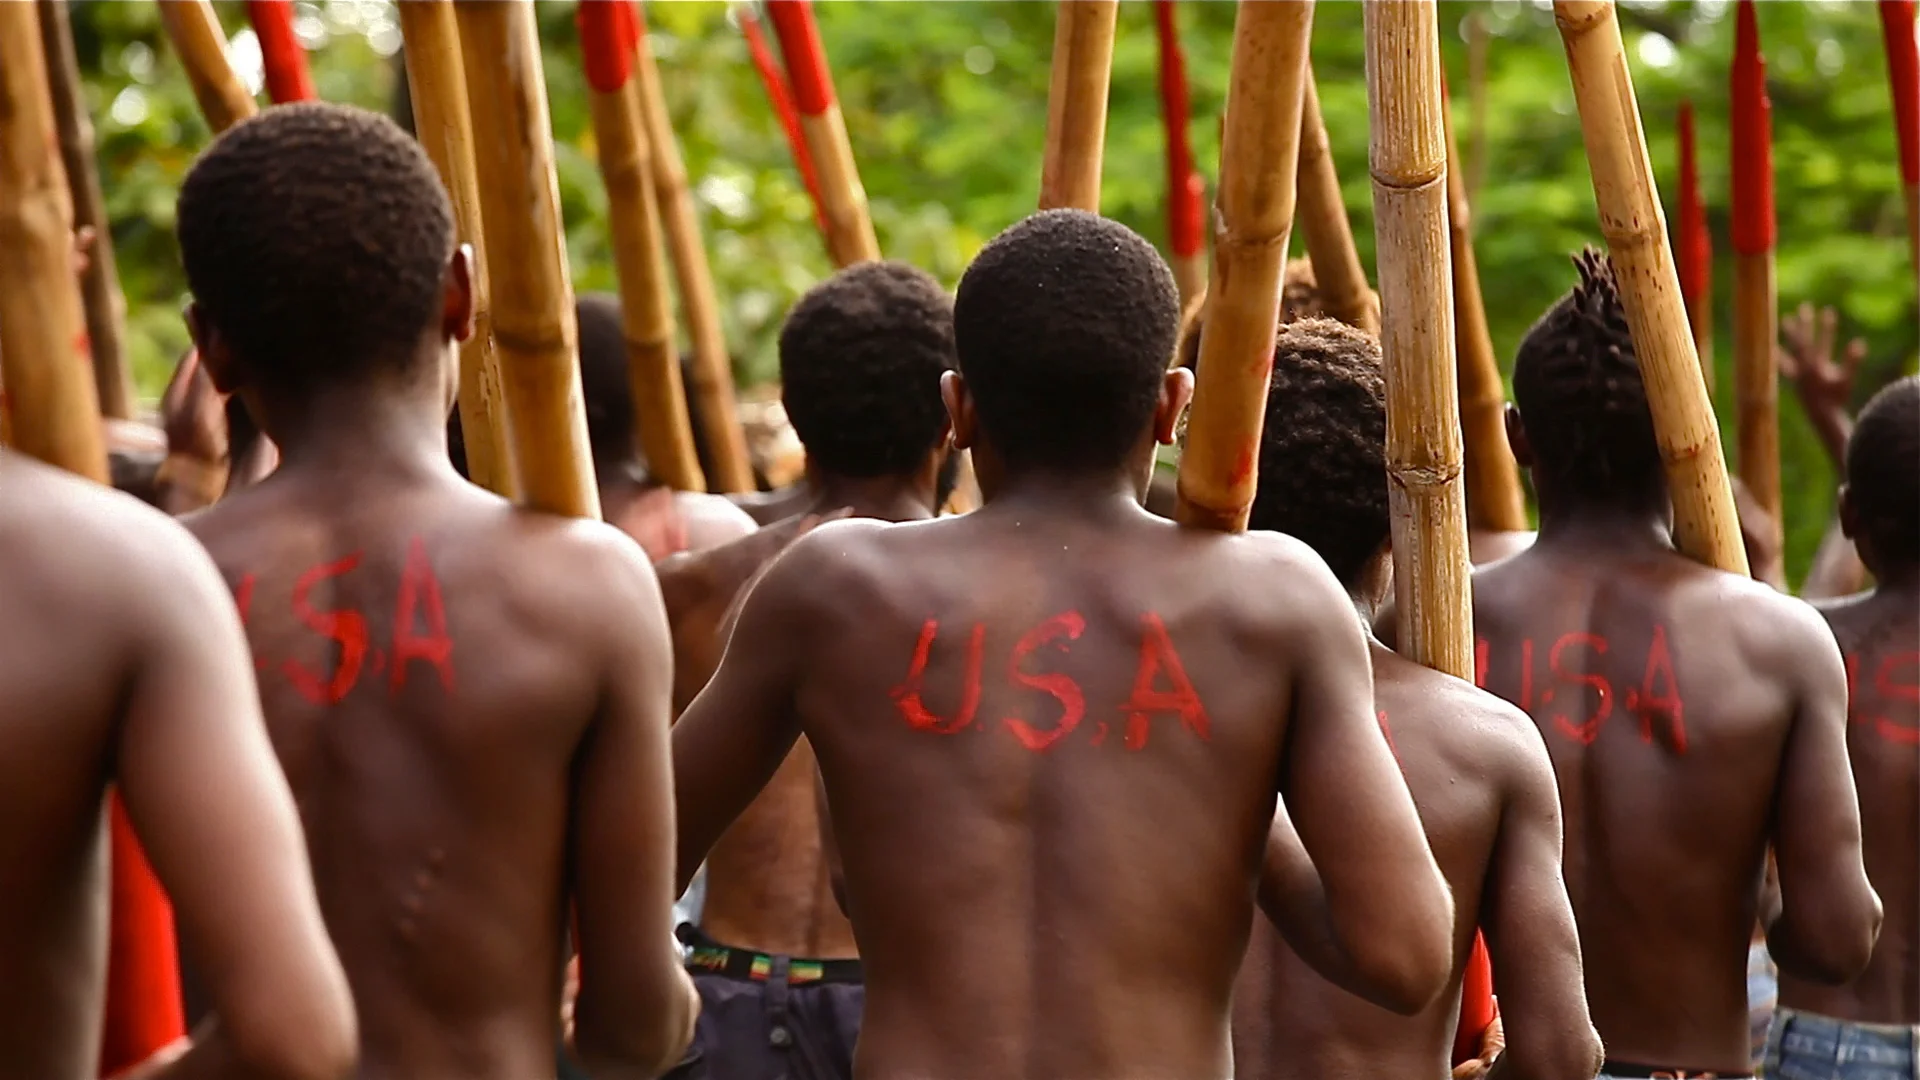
(884, 498)
(1901, 582)
(359, 430)
(1068, 495)
(1609, 527)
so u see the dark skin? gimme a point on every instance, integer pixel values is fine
(458, 808)
(123, 664)
(767, 507)
(1485, 790)
(647, 511)
(1723, 730)
(1028, 891)
(1877, 631)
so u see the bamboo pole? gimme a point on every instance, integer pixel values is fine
(1693, 249)
(713, 393)
(444, 125)
(850, 237)
(1325, 228)
(100, 281)
(202, 47)
(1756, 314)
(1706, 526)
(1408, 156)
(533, 319)
(1077, 104)
(782, 101)
(1186, 190)
(607, 39)
(1903, 74)
(281, 54)
(1495, 500)
(1252, 219)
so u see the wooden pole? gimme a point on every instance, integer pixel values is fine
(202, 47)
(1252, 219)
(533, 319)
(444, 125)
(1706, 526)
(850, 236)
(1186, 189)
(1325, 228)
(1693, 248)
(607, 40)
(100, 281)
(1903, 73)
(1756, 314)
(781, 99)
(1408, 155)
(281, 54)
(1495, 500)
(1077, 104)
(713, 394)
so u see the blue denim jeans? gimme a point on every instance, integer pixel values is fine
(1803, 1046)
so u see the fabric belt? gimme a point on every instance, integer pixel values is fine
(1626, 1069)
(709, 955)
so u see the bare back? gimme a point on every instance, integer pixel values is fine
(433, 666)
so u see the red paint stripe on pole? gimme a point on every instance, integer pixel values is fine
(776, 85)
(1693, 248)
(1903, 70)
(607, 39)
(1752, 123)
(1186, 190)
(280, 52)
(806, 58)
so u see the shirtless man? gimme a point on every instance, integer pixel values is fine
(1871, 1027)
(1477, 768)
(123, 664)
(471, 700)
(1693, 717)
(861, 357)
(1052, 730)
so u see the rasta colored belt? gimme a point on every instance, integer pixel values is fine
(1625, 1069)
(710, 956)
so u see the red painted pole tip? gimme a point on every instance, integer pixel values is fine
(806, 58)
(1903, 70)
(280, 52)
(1186, 191)
(607, 39)
(1694, 244)
(1752, 131)
(782, 101)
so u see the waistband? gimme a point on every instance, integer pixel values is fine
(1891, 1032)
(1624, 1070)
(708, 955)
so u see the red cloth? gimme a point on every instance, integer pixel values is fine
(144, 1012)
(1477, 1010)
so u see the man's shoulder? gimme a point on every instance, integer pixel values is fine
(1483, 730)
(59, 524)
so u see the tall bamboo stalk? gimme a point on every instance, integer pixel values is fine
(607, 37)
(1408, 155)
(1077, 104)
(1325, 228)
(533, 319)
(1756, 314)
(1706, 526)
(781, 98)
(202, 47)
(1252, 219)
(444, 126)
(1495, 500)
(1693, 248)
(1186, 190)
(281, 54)
(100, 282)
(850, 237)
(1903, 74)
(713, 393)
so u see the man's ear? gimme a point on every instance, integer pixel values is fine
(961, 420)
(456, 304)
(1849, 516)
(1517, 437)
(216, 358)
(1176, 393)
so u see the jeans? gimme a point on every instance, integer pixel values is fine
(1803, 1046)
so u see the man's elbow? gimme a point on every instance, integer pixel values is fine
(1569, 1052)
(322, 1043)
(1832, 948)
(1406, 970)
(644, 1042)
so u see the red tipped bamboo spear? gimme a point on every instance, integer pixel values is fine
(280, 52)
(782, 101)
(1186, 190)
(1693, 248)
(850, 236)
(1903, 70)
(1755, 317)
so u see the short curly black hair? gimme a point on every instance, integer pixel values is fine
(605, 388)
(315, 238)
(1883, 471)
(861, 356)
(1323, 448)
(1066, 325)
(1576, 381)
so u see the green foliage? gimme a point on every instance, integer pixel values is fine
(946, 108)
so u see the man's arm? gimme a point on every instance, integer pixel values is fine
(1528, 922)
(636, 1007)
(1828, 917)
(1373, 889)
(207, 798)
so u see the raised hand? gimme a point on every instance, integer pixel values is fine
(1825, 388)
